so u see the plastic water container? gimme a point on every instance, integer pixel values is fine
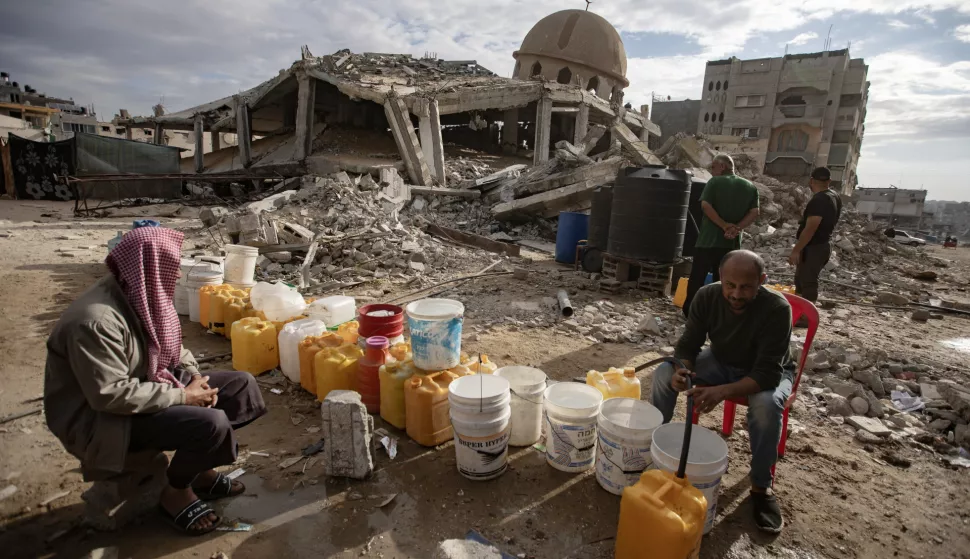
(480, 415)
(661, 517)
(254, 346)
(573, 227)
(334, 310)
(219, 306)
(381, 320)
(335, 368)
(680, 296)
(435, 326)
(527, 385)
(289, 343)
(571, 410)
(393, 377)
(625, 429)
(349, 332)
(481, 365)
(277, 301)
(308, 350)
(181, 299)
(246, 286)
(368, 373)
(197, 280)
(615, 383)
(235, 310)
(426, 408)
(707, 460)
(240, 263)
(207, 302)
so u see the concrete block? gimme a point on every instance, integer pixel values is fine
(347, 433)
(269, 232)
(293, 233)
(929, 391)
(874, 426)
(212, 216)
(343, 178)
(271, 203)
(957, 396)
(250, 223)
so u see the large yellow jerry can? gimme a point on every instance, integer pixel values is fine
(661, 517)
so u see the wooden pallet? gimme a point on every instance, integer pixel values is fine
(649, 277)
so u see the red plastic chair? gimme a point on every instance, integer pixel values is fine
(799, 308)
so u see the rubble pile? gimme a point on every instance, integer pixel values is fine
(397, 67)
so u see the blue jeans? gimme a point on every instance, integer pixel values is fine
(765, 409)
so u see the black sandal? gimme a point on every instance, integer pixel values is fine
(220, 488)
(191, 514)
(767, 513)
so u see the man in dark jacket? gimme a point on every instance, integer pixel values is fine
(813, 248)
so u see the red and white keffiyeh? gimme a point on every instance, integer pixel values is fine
(146, 265)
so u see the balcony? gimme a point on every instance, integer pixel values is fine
(811, 115)
(806, 156)
(847, 118)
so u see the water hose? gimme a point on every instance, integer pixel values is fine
(689, 424)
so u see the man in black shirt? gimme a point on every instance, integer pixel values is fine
(813, 249)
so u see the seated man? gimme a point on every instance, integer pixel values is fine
(118, 381)
(749, 327)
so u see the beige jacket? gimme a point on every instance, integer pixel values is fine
(96, 378)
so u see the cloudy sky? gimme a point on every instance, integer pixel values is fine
(132, 53)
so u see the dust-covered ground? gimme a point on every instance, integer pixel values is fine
(841, 498)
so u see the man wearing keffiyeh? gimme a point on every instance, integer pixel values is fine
(118, 381)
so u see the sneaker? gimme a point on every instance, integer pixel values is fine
(767, 513)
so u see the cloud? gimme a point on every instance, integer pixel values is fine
(962, 33)
(898, 24)
(803, 38)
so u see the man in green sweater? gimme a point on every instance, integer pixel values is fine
(730, 204)
(749, 327)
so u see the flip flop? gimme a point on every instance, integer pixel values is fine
(220, 488)
(191, 514)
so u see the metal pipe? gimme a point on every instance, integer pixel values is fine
(564, 305)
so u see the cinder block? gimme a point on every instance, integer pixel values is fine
(347, 433)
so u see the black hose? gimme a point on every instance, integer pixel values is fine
(689, 424)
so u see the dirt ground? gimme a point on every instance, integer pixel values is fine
(840, 499)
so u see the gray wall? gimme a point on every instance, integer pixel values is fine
(674, 117)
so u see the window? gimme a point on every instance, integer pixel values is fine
(707, 117)
(749, 101)
(792, 140)
(717, 86)
(725, 85)
(147, 131)
(106, 129)
(565, 75)
(745, 132)
(120, 131)
(720, 117)
(710, 86)
(536, 69)
(593, 85)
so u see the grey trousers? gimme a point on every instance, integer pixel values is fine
(202, 438)
(814, 258)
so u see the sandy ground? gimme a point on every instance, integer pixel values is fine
(840, 499)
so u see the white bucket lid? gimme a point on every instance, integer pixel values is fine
(630, 418)
(242, 250)
(707, 449)
(522, 378)
(475, 389)
(435, 309)
(574, 399)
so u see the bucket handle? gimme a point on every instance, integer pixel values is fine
(685, 449)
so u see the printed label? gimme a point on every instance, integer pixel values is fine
(482, 457)
(570, 445)
(619, 466)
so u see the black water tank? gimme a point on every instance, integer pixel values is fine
(600, 212)
(695, 215)
(649, 213)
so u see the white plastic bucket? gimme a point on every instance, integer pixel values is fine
(333, 310)
(216, 263)
(570, 416)
(625, 429)
(289, 342)
(197, 279)
(240, 263)
(480, 414)
(706, 462)
(527, 385)
(242, 285)
(181, 299)
(435, 326)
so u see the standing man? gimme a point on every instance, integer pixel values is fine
(749, 327)
(730, 204)
(813, 249)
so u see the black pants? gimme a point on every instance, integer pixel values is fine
(202, 438)
(814, 258)
(706, 260)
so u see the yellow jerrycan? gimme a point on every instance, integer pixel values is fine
(662, 515)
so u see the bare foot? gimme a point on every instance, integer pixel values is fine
(175, 500)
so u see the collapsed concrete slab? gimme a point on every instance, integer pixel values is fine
(547, 204)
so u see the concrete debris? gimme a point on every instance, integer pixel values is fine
(347, 433)
(466, 549)
(920, 315)
(873, 426)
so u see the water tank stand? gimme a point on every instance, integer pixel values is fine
(655, 278)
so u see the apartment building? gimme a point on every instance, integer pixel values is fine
(798, 111)
(898, 206)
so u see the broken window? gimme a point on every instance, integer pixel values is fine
(749, 101)
(725, 85)
(720, 117)
(565, 75)
(536, 69)
(745, 132)
(717, 86)
(106, 129)
(792, 140)
(593, 85)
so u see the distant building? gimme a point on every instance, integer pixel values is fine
(949, 218)
(797, 112)
(61, 116)
(674, 117)
(896, 206)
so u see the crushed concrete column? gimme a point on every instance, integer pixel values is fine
(543, 130)
(399, 119)
(159, 138)
(199, 150)
(214, 140)
(582, 124)
(510, 132)
(243, 131)
(128, 132)
(347, 433)
(306, 98)
(423, 111)
(437, 160)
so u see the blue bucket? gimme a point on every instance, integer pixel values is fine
(435, 326)
(573, 227)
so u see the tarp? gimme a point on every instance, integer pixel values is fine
(36, 163)
(105, 155)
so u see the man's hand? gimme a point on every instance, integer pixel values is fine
(198, 393)
(731, 231)
(706, 398)
(679, 380)
(795, 258)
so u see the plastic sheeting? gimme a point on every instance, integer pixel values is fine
(104, 155)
